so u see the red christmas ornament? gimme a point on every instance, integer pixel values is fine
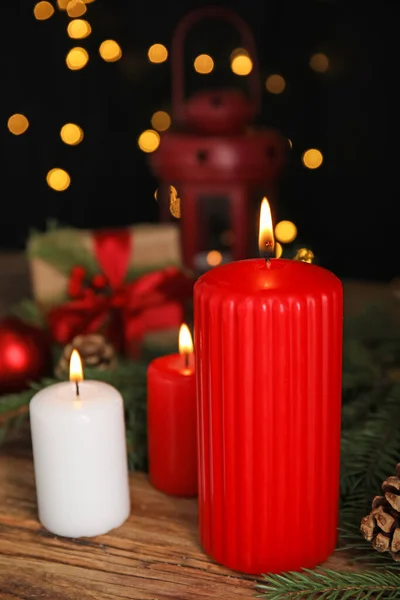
(24, 354)
(219, 163)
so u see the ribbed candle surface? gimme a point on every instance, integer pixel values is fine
(268, 348)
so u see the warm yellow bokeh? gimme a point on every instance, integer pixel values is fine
(242, 64)
(285, 232)
(78, 29)
(76, 8)
(17, 124)
(275, 84)
(278, 250)
(203, 64)
(214, 258)
(149, 140)
(58, 179)
(290, 143)
(157, 53)
(71, 134)
(62, 4)
(161, 120)
(319, 62)
(77, 58)
(110, 51)
(312, 158)
(43, 10)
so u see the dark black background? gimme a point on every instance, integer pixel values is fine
(346, 209)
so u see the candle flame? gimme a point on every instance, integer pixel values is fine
(266, 241)
(185, 340)
(75, 367)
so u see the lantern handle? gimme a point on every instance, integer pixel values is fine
(177, 55)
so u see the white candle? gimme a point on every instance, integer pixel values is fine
(80, 458)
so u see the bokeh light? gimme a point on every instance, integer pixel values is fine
(149, 140)
(71, 134)
(241, 64)
(275, 84)
(278, 250)
(214, 258)
(78, 29)
(17, 124)
(285, 232)
(77, 58)
(319, 62)
(58, 179)
(290, 143)
(312, 158)
(43, 11)
(174, 202)
(62, 4)
(203, 64)
(76, 8)
(110, 51)
(157, 53)
(161, 120)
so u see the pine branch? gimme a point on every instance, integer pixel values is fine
(326, 584)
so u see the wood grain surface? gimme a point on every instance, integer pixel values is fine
(155, 555)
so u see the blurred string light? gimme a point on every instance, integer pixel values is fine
(157, 53)
(149, 140)
(214, 258)
(110, 51)
(285, 232)
(203, 64)
(290, 143)
(312, 158)
(76, 8)
(319, 62)
(58, 179)
(71, 134)
(275, 84)
(78, 29)
(43, 11)
(77, 58)
(161, 120)
(241, 63)
(278, 250)
(17, 124)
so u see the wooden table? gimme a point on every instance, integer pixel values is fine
(155, 555)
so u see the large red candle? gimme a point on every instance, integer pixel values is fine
(171, 420)
(268, 360)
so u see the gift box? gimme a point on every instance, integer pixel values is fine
(124, 283)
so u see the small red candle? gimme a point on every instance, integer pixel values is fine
(171, 420)
(268, 355)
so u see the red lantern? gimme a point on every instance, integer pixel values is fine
(213, 156)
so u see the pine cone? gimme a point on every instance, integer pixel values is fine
(382, 525)
(94, 350)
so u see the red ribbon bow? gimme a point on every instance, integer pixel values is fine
(122, 311)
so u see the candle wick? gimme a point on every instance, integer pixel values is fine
(267, 252)
(77, 388)
(186, 355)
